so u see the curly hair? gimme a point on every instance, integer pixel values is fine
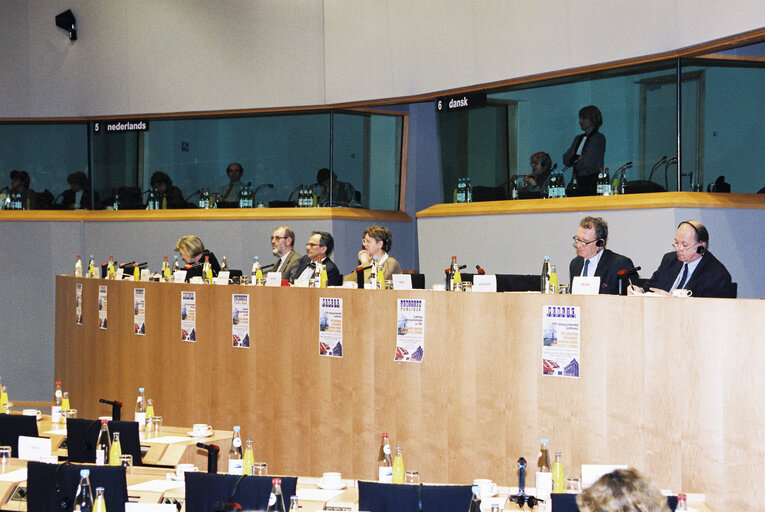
(624, 490)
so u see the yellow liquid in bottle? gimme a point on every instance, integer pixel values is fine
(99, 505)
(258, 275)
(554, 282)
(323, 278)
(3, 400)
(398, 469)
(248, 461)
(114, 453)
(64, 404)
(380, 279)
(149, 411)
(559, 484)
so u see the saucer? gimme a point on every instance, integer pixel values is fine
(321, 484)
(193, 434)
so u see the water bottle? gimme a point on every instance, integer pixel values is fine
(276, 499)
(456, 277)
(140, 409)
(373, 273)
(110, 272)
(468, 192)
(559, 483)
(256, 274)
(116, 201)
(84, 497)
(176, 264)
(606, 182)
(545, 278)
(78, 267)
(599, 183)
(475, 500)
(514, 189)
(224, 264)
(235, 456)
(385, 461)
(103, 444)
(55, 409)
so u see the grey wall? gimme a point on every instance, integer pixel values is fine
(517, 243)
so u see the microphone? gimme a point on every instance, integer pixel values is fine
(671, 161)
(212, 456)
(362, 268)
(627, 272)
(293, 192)
(479, 270)
(655, 166)
(267, 267)
(116, 407)
(622, 275)
(195, 193)
(259, 187)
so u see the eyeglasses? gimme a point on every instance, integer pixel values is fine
(684, 246)
(278, 237)
(311, 244)
(578, 240)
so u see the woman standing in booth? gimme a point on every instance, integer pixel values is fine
(587, 153)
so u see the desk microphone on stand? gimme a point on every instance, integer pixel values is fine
(212, 456)
(116, 407)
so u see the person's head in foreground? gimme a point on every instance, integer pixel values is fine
(624, 490)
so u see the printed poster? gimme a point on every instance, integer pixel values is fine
(410, 331)
(78, 303)
(102, 307)
(240, 320)
(330, 327)
(139, 311)
(189, 316)
(560, 341)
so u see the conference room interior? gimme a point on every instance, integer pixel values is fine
(404, 156)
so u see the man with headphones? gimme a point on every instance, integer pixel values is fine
(690, 266)
(593, 259)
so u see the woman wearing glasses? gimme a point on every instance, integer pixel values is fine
(376, 242)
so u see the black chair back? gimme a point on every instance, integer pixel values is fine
(446, 498)
(52, 487)
(82, 436)
(205, 491)
(14, 425)
(379, 497)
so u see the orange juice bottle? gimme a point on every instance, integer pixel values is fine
(559, 483)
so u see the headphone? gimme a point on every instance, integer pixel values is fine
(63, 502)
(600, 242)
(702, 236)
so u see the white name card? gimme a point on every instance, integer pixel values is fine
(274, 279)
(222, 277)
(34, 448)
(485, 283)
(586, 285)
(179, 276)
(197, 280)
(119, 274)
(402, 282)
(145, 274)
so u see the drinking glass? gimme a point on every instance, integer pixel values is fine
(572, 485)
(71, 413)
(412, 477)
(8, 407)
(5, 456)
(259, 469)
(126, 460)
(157, 420)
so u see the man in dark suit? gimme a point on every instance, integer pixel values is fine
(691, 266)
(282, 245)
(318, 249)
(593, 259)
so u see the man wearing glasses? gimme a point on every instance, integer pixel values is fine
(282, 243)
(318, 249)
(593, 259)
(691, 266)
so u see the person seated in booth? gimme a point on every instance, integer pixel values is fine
(282, 246)
(20, 187)
(538, 181)
(170, 196)
(377, 241)
(193, 252)
(343, 193)
(319, 247)
(78, 195)
(623, 490)
(691, 266)
(593, 259)
(230, 192)
(587, 153)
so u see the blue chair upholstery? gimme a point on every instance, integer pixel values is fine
(379, 497)
(446, 498)
(82, 436)
(50, 485)
(14, 425)
(204, 491)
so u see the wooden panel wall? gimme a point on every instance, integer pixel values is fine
(669, 386)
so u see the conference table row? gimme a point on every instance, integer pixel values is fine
(665, 385)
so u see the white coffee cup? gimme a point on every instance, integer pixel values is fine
(202, 429)
(331, 478)
(488, 488)
(32, 412)
(681, 292)
(180, 469)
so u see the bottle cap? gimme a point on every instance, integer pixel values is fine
(84, 472)
(276, 481)
(104, 421)
(681, 497)
(256, 258)
(58, 383)
(140, 390)
(476, 490)
(385, 434)
(547, 257)
(99, 490)
(236, 428)
(544, 441)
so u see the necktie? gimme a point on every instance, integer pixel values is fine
(685, 276)
(586, 264)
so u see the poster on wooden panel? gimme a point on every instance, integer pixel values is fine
(560, 341)
(78, 303)
(330, 327)
(139, 311)
(240, 320)
(102, 307)
(189, 316)
(410, 330)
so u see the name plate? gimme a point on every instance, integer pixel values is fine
(485, 283)
(34, 448)
(179, 276)
(222, 277)
(274, 279)
(402, 282)
(585, 285)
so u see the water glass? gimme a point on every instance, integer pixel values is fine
(71, 413)
(572, 485)
(157, 420)
(5, 456)
(7, 407)
(126, 460)
(259, 469)
(412, 477)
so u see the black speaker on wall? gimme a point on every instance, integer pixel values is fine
(67, 21)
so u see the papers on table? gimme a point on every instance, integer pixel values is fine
(14, 476)
(156, 486)
(166, 439)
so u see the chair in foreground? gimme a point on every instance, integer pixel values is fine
(14, 425)
(379, 497)
(82, 436)
(446, 498)
(205, 491)
(53, 486)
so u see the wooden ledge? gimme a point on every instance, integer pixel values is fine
(212, 215)
(620, 202)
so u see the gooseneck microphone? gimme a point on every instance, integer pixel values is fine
(116, 407)
(656, 166)
(212, 456)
